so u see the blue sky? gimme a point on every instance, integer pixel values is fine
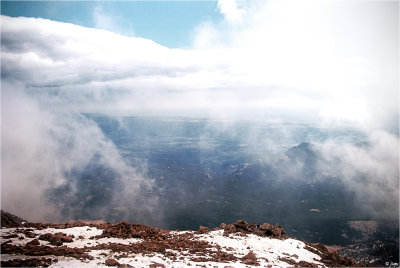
(169, 23)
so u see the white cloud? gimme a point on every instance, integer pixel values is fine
(44, 140)
(370, 171)
(326, 51)
(338, 60)
(111, 22)
(231, 11)
(285, 54)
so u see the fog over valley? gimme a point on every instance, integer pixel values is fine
(278, 111)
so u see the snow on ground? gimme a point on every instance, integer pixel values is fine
(82, 236)
(269, 251)
(84, 231)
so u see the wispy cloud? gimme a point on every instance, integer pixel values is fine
(43, 141)
(231, 11)
(106, 20)
(370, 171)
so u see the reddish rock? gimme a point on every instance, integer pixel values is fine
(127, 230)
(296, 264)
(241, 225)
(10, 236)
(45, 236)
(250, 259)
(153, 241)
(230, 229)
(9, 220)
(250, 255)
(124, 230)
(265, 229)
(30, 234)
(203, 230)
(66, 239)
(56, 239)
(112, 262)
(34, 242)
(331, 259)
(276, 231)
(320, 247)
(266, 226)
(60, 234)
(41, 250)
(31, 262)
(6, 242)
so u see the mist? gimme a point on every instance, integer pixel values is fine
(46, 146)
(91, 119)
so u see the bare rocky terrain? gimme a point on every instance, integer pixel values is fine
(97, 243)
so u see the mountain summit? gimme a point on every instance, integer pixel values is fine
(89, 244)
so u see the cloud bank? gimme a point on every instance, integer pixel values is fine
(335, 60)
(338, 60)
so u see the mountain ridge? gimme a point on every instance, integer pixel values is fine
(98, 243)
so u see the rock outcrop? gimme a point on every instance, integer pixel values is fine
(131, 230)
(56, 239)
(8, 220)
(265, 229)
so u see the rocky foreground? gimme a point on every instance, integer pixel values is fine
(85, 244)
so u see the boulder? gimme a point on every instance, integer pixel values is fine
(203, 230)
(66, 238)
(34, 242)
(250, 259)
(241, 225)
(112, 262)
(56, 239)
